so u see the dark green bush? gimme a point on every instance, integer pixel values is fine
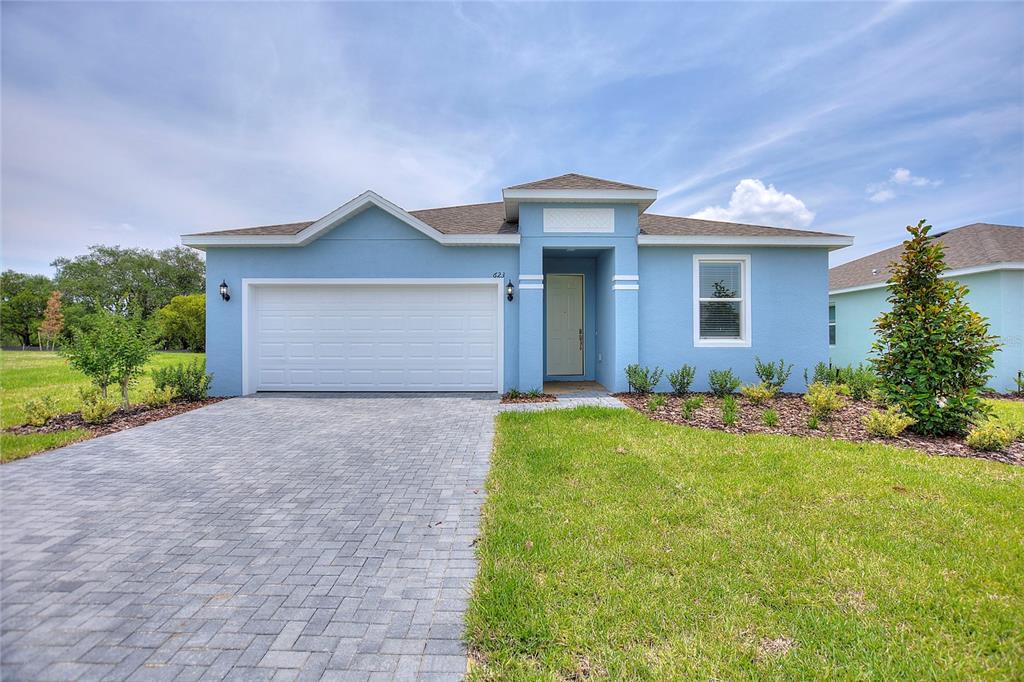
(691, 405)
(860, 380)
(723, 382)
(189, 381)
(775, 375)
(643, 379)
(681, 379)
(730, 413)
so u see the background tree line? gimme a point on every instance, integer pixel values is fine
(163, 289)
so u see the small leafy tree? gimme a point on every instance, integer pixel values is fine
(932, 352)
(53, 322)
(113, 350)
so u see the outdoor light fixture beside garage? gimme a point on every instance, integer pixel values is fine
(510, 290)
(224, 290)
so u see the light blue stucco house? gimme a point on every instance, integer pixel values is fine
(988, 259)
(568, 278)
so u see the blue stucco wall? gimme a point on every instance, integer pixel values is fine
(652, 325)
(789, 316)
(371, 244)
(605, 361)
(997, 295)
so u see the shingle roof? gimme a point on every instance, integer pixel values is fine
(469, 219)
(967, 246)
(576, 181)
(654, 224)
(284, 229)
(489, 218)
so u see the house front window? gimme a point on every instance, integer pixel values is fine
(832, 325)
(721, 286)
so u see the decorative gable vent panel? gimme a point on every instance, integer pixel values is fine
(579, 219)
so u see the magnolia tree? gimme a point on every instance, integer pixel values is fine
(932, 352)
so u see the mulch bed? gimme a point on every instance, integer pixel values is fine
(136, 415)
(793, 413)
(542, 398)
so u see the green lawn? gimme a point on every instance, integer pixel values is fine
(616, 546)
(1008, 411)
(29, 374)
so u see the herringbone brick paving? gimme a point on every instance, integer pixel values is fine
(284, 538)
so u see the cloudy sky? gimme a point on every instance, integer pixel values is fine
(133, 123)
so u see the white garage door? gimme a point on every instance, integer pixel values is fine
(375, 337)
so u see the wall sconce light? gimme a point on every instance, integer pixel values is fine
(224, 290)
(510, 290)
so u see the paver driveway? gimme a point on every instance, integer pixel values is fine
(287, 537)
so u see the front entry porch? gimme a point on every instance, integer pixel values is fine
(577, 317)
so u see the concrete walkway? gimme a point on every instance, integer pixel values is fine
(286, 537)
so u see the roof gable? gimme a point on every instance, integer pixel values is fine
(576, 181)
(300, 234)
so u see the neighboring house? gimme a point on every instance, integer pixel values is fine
(988, 259)
(567, 278)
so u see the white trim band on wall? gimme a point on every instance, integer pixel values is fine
(625, 278)
(531, 286)
(531, 278)
(626, 287)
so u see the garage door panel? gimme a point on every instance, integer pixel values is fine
(376, 337)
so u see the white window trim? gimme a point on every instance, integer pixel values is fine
(746, 329)
(833, 324)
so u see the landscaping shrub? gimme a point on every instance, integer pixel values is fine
(642, 379)
(655, 402)
(772, 374)
(691, 405)
(158, 397)
(1019, 381)
(511, 394)
(824, 399)
(681, 379)
(113, 349)
(188, 380)
(730, 415)
(990, 436)
(40, 410)
(98, 409)
(770, 418)
(759, 394)
(932, 352)
(823, 374)
(860, 380)
(887, 424)
(535, 393)
(723, 382)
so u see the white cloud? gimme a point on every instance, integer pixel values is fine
(903, 176)
(752, 202)
(880, 192)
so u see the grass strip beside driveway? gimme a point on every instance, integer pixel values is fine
(622, 547)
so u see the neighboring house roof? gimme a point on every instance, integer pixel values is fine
(970, 246)
(576, 181)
